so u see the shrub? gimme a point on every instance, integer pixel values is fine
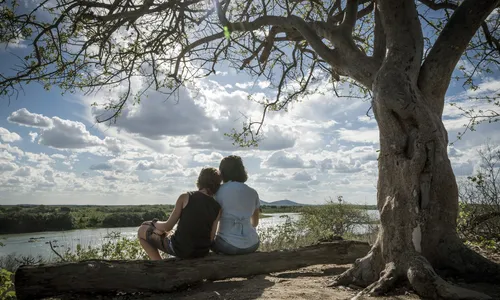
(479, 215)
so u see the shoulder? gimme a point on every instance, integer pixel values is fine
(251, 190)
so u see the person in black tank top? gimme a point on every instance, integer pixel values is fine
(196, 215)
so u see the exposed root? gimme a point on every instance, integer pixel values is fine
(468, 264)
(363, 272)
(429, 285)
(414, 267)
(387, 281)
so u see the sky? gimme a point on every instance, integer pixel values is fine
(53, 152)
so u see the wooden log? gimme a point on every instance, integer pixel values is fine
(101, 276)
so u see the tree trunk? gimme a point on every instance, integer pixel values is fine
(417, 197)
(34, 282)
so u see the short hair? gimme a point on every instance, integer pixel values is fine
(209, 179)
(231, 168)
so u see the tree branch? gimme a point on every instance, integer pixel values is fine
(403, 35)
(435, 73)
(350, 16)
(379, 39)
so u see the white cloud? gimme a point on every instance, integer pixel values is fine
(302, 176)
(33, 136)
(264, 84)
(7, 136)
(208, 158)
(283, 159)
(244, 85)
(101, 166)
(23, 172)
(26, 118)
(362, 135)
(156, 118)
(66, 134)
(7, 166)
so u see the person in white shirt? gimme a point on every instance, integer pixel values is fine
(240, 206)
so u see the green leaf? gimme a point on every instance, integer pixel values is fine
(227, 33)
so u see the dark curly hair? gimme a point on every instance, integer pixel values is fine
(209, 179)
(231, 168)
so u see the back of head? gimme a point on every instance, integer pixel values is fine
(209, 179)
(232, 169)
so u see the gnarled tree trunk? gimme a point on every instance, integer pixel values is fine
(417, 192)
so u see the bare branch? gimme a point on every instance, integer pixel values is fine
(435, 73)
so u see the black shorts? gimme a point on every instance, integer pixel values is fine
(161, 242)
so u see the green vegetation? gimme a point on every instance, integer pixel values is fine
(37, 218)
(479, 214)
(31, 218)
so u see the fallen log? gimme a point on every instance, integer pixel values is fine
(101, 276)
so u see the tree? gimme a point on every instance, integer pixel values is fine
(298, 45)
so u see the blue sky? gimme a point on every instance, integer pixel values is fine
(53, 152)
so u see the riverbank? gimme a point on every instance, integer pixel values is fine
(17, 219)
(38, 244)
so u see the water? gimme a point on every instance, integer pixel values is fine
(36, 244)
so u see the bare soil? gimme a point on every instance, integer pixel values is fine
(309, 283)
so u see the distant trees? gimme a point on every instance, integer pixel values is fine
(17, 219)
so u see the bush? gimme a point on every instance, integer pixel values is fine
(479, 216)
(6, 285)
(320, 223)
(333, 219)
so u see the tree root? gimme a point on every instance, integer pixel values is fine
(414, 267)
(460, 260)
(429, 285)
(364, 271)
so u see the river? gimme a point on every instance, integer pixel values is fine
(37, 243)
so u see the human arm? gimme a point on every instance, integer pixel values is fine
(255, 217)
(256, 212)
(215, 226)
(174, 216)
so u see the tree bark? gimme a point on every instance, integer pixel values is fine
(417, 195)
(35, 282)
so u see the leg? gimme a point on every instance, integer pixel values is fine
(152, 252)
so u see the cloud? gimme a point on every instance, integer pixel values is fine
(101, 166)
(302, 176)
(23, 172)
(361, 135)
(347, 167)
(66, 134)
(7, 136)
(283, 159)
(244, 85)
(33, 136)
(163, 162)
(25, 118)
(7, 166)
(208, 158)
(156, 118)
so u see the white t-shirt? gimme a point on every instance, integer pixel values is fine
(238, 202)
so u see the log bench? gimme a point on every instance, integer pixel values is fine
(129, 276)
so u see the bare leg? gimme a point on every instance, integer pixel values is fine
(152, 252)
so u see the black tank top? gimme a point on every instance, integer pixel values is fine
(192, 237)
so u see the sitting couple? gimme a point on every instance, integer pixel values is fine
(221, 218)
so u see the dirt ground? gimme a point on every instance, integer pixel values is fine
(307, 283)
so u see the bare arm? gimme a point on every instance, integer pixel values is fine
(255, 217)
(215, 226)
(175, 215)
